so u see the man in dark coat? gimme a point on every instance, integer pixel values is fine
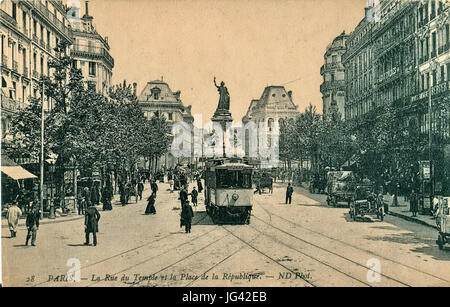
(186, 217)
(91, 219)
(183, 196)
(107, 195)
(199, 184)
(194, 195)
(140, 189)
(289, 192)
(150, 205)
(414, 203)
(32, 223)
(154, 187)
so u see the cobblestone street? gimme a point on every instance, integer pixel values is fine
(303, 244)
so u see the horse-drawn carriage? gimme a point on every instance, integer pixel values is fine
(263, 180)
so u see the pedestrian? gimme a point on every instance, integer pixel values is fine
(150, 205)
(154, 187)
(289, 191)
(199, 184)
(183, 195)
(140, 189)
(172, 183)
(107, 195)
(413, 203)
(91, 219)
(14, 214)
(95, 197)
(194, 195)
(32, 223)
(186, 217)
(86, 199)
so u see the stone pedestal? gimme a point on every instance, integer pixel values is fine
(222, 117)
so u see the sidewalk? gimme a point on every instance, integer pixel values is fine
(73, 216)
(402, 211)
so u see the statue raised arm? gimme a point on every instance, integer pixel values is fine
(224, 99)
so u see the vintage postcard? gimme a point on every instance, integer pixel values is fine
(240, 143)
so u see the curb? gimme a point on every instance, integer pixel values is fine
(411, 219)
(51, 221)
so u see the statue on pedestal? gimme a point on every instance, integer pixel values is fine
(224, 99)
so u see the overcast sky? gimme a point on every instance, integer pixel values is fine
(249, 44)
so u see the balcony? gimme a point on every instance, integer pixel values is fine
(44, 11)
(35, 39)
(333, 85)
(330, 66)
(25, 72)
(10, 104)
(442, 88)
(90, 52)
(35, 75)
(5, 61)
(42, 43)
(444, 48)
(433, 54)
(8, 18)
(15, 66)
(48, 47)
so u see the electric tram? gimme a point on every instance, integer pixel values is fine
(228, 191)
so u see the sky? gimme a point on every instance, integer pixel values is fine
(248, 44)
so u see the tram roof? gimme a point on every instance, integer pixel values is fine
(234, 166)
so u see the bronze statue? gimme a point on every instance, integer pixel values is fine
(224, 100)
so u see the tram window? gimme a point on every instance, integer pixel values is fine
(233, 179)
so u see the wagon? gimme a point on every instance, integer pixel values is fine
(264, 181)
(340, 187)
(365, 202)
(443, 222)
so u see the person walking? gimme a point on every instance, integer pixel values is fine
(32, 223)
(14, 214)
(194, 195)
(140, 189)
(199, 184)
(91, 219)
(413, 203)
(183, 196)
(86, 195)
(289, 191)
(107, 195)
(150, 209)
(154, 187)
(186, 217)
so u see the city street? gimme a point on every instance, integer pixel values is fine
(306, 243)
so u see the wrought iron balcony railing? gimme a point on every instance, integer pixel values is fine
(5, 61)
(15, 66)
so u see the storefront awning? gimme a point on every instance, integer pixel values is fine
(17, 172)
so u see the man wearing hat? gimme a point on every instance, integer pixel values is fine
(33, 224)
(186, 216)
(14, 213)
(91, 219)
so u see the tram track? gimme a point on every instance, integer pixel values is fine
(345, 243)
(132, 250)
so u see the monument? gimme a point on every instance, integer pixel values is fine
(222, 114)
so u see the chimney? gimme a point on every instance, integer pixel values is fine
(290, 95)
(87, 8)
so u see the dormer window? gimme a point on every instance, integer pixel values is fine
(155, 92)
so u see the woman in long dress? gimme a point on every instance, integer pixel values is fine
(150, 205)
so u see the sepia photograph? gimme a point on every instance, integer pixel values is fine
(201, 144)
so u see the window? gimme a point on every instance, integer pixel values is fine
(34, 61)
(42, 65)
(14, 10)
(24, 21)
(92, 71)
(334, 59)
(170, 116)
(3, 45)
(233, 179)
(442, 74)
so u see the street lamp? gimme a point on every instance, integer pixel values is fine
(52, 206)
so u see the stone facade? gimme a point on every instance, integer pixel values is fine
(333, 86)
(91, 53)
(29, 32)
(157, 99)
